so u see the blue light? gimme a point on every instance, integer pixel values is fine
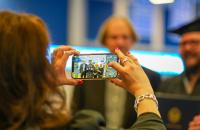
(165, 63)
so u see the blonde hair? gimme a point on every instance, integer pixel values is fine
(104, 28)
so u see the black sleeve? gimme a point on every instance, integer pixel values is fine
(90, 120)
(87, 120)
(148, 121)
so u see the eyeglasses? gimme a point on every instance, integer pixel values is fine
(190, 42)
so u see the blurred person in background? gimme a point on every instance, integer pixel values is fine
(188, 83)
(28, 82)
(115, 103)
(118, 32)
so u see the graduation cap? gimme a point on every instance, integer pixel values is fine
(194, 26)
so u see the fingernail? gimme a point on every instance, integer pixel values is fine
(80, 82)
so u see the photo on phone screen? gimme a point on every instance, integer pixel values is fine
(93, 66)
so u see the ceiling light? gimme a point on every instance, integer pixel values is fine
(161, 1)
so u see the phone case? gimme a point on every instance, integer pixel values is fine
(93, 66)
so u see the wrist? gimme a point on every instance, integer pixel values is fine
(146, 103)
(147, 106)
(143, 97)
(141, 91)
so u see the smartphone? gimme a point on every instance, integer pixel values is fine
(93, 66)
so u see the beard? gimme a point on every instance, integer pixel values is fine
(193, 69)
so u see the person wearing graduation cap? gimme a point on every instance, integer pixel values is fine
(188, 83)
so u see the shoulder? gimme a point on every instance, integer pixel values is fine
(150, 72)
(172, 80)
(154, 78)
(170, 84)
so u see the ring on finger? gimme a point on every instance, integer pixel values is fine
(125, 60)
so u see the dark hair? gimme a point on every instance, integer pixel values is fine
(26, 78)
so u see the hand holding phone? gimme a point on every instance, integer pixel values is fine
(59, 59)
(93, 66)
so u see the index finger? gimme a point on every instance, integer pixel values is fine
(123, 59)
(66, 48)
(68, 53)
(120, 54)
(61, 49)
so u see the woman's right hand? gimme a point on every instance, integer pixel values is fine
(59, 59)
(132, 76)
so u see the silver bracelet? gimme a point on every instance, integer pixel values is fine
(142, 97)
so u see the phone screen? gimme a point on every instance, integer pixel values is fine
(93, 66)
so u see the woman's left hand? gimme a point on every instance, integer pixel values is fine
(59, 59)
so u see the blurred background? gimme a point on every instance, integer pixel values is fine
(76, 23)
